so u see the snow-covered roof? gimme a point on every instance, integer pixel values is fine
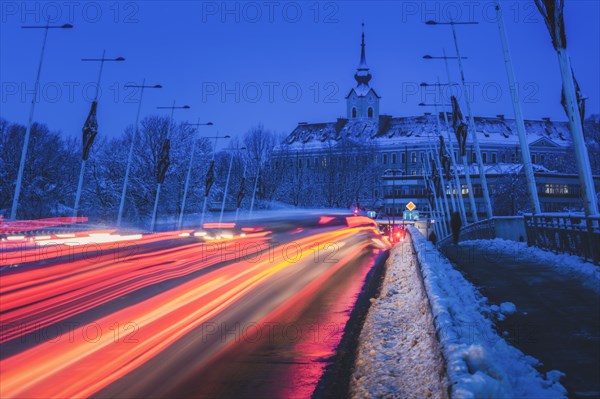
(362, 90)
(417, 130)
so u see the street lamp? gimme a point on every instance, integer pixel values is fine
(189, 172)
(87, 144)
(163, 163)
(431, 57)
(227, 185)
(484, 186)
(210, 170)
(15, 203)
(131, 147)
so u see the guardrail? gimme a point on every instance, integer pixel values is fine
(574, 234)
(482, 230)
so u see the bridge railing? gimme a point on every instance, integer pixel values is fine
(574, 234)
(482, 230)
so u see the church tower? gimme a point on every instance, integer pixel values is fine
(362, 101)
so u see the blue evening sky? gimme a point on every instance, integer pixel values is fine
(279, 62)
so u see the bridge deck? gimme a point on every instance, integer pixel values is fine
(557, 313)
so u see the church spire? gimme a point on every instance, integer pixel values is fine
(362, 76)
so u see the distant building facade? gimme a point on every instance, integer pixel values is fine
(396, 148)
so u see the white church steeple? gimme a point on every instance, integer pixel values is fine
(362, 101)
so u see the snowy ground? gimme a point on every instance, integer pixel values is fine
(480, 363)
(398, 354)
(569, 265)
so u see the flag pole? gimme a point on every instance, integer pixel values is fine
(153, 220)
(187, 180)
(459, 197)
(484, 186)
(130, 155)
(132, 146)
(237, 210)
(226, 188)
(533, 194)
(19, 182)
(83, 161)
(552, 12)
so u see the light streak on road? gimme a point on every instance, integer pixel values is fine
(82, 362)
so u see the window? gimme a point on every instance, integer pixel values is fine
(413, 157)
(308, 162)
(385, 159)
(473, 157)
(542, 157)
(533, 158)
(403, 157)
(394, 158)
(370, 112)
(503, 157)
(556, 189)
(300, 163)
(354, 112)
(494, 157)
(484, 157)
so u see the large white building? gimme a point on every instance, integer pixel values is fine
(400, 144)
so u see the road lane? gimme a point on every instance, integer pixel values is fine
(144, 342)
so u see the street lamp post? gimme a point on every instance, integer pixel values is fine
(254, 190)
(462, 158)
(15, 203)
(227, 186)
(166, 142)
(189, 172)
(131, 147)
(484, 186)
(454, 164)
(237, 209)
(212, 161)
(101, 60)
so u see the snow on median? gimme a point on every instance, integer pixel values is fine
(480, 363)
(398, 353)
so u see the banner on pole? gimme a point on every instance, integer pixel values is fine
(210, 178)
(444, 158)
(459, 126)
(241, 193)
(163, 161)
(90, 130)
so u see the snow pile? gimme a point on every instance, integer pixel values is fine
(505, 308)
(480, 363)
(568, 265)
(398, 354)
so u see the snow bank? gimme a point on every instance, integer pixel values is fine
(569, 265)
(480, 363)
(398, 353)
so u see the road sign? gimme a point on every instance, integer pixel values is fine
(411, 206)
